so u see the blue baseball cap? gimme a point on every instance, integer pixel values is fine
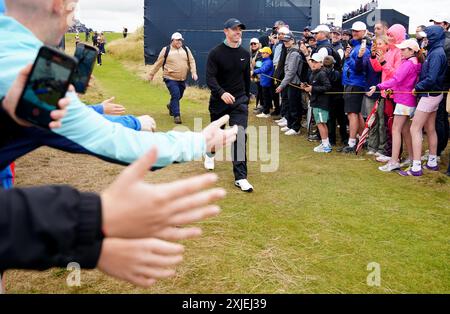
(233, 22)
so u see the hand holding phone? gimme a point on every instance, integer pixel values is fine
(12, 98)
(47, 83)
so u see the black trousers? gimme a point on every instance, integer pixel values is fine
(294, 113)
(238, 116)
(267, 96)
(284, 102)
(276, 101)
(442, 126)
(259, 96)
(337, 113)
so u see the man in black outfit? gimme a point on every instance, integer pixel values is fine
(228, 78)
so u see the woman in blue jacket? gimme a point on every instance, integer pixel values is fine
(429, 88)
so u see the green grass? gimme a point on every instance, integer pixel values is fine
(313, 226)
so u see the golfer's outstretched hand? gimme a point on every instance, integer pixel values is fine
(133, 208)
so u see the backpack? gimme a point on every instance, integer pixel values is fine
(335, 54)
(168, 51)
(303, 68)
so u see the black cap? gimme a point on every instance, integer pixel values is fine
(307, 28)
(288, 37)
(347, 32)
(233, 23)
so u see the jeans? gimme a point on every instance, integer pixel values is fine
(176, 89)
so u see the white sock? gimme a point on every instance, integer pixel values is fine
(432, 160)
(326, 142)
(417, 165)
(352, 142)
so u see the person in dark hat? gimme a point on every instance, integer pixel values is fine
(228, 78)
(307, 32)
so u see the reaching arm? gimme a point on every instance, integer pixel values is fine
(49, 227)
(159, 62)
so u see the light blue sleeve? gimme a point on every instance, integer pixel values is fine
(112, 140)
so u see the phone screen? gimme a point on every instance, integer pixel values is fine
(46, 85)
(86, 56)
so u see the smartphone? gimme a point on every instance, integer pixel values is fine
(46, 85)
(364, 44)
(86, 56)
(345, 44)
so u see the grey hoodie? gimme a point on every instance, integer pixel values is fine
(293, 60)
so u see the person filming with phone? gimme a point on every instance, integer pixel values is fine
(354, 83)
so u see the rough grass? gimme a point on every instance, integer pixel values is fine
(313, 226)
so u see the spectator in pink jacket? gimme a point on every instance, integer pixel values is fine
(388, 63)
(403, 81)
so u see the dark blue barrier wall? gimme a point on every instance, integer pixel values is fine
(201, 22)
(370, 18)
(205, 41)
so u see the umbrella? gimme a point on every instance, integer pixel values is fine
(369, 124)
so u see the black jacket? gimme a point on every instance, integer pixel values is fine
(279, 71)
(320, 85)
(228, 70)
(48, 227)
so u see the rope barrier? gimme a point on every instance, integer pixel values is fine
(376, 92)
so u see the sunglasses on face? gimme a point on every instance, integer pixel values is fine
(253, 44)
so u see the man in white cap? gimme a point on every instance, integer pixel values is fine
(322, 35)
(279, 60)
(354, 84)
(176, 60)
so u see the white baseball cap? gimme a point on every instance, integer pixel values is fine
(254, 41)
(321, 28)
(317, 57)
(409, 43)
(359, 26)
(177, 36)
(284, 30)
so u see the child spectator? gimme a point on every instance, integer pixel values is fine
(266, 73)
(317, 86)
(404, 80)
(387, 63)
